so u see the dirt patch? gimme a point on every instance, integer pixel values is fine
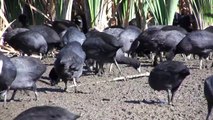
(119, 100)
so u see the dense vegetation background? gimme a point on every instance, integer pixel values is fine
(103, 13)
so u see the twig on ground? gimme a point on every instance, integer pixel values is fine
(146, 74)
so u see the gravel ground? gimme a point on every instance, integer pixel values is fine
(118, 100)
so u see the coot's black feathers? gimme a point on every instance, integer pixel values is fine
(208, 92)
(46, 113)
(168, 76)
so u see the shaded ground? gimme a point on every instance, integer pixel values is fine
(120, 100)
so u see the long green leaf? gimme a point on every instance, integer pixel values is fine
(163, 10)
(172, 6)
(203, 11)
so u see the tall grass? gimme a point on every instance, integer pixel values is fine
(126, 13)
(163, 10)
(142, 9)
(203, 11)
(101, 11)
(63, 9)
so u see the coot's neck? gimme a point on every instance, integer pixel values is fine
(24, 20)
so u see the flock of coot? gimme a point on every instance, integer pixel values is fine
(78, 50)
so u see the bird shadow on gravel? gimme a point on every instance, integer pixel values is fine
(49, 64)
(59, 90)
(46, 80)
(145, 101)
(48, 89)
